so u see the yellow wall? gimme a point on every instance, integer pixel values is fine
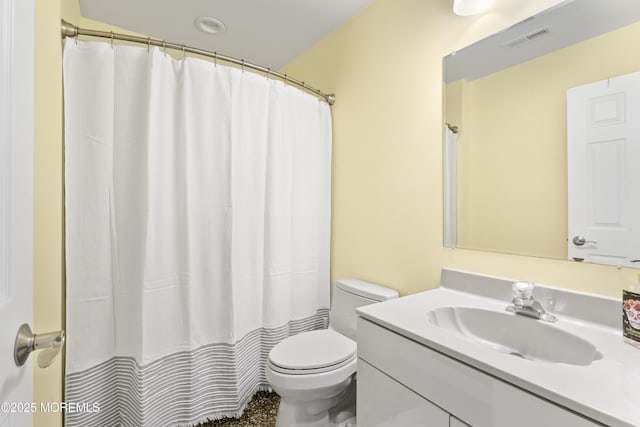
(518, 116)
(385, 68)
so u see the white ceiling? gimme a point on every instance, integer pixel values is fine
(266, 32)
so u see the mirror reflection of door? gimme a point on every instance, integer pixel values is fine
(603, 146)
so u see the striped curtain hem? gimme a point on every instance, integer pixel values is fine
(182, 389)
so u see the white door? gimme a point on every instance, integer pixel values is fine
(16, 202)
(603, 131)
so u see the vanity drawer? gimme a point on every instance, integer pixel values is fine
(396, 405)
(470, 395)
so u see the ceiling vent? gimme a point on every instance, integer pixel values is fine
(527, 38)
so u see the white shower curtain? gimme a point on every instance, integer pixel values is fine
(197, 232)
(450, 183)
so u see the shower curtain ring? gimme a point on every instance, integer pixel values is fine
(268, 73)
(184, 52)
(242, 65)
(215, 59)
(111, 39)
(148, 44)
(164, 47)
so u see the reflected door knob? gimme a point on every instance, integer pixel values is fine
(579, 241)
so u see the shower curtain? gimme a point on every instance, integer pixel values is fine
(450, 183)
(197, 232)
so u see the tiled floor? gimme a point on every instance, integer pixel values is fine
(260, 412)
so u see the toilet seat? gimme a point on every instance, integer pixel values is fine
(312, 352)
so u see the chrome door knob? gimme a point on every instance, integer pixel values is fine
(579, 241)
(26, 342)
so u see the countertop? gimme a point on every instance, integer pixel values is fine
(607, 390)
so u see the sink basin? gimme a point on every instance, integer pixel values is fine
(516, 335)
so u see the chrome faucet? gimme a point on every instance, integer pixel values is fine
(525, 304)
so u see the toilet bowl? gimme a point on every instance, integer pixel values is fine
(315, 372)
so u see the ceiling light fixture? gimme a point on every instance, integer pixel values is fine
(209, 25)
(471, 7)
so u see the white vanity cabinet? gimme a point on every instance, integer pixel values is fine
(383, 402)
(454, 422)
(404, 383)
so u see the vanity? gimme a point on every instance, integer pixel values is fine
(454, 356)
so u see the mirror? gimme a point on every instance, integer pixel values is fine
(505, 170)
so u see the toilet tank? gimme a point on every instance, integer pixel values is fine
(349, 294)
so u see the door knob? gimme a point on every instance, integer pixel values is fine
(579, 241)
(26, 341)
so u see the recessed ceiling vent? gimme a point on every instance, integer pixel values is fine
(527, 38)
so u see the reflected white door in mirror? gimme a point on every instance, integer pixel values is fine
(603, 151)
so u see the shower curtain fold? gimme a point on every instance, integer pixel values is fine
(197, 231)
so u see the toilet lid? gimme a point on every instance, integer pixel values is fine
(313, 350)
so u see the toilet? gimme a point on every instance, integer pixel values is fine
(315, 372)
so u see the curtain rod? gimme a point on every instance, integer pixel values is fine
(70, 30)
